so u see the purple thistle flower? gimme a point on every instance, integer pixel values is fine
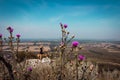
(9, 28)
(0, 35)
(18, 35)
(75, 43)
(65, 26)
(81, 57)
(29, 68)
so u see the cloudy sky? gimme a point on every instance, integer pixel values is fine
(37, 19)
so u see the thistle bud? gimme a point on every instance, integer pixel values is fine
(0, 35)
(68, 32)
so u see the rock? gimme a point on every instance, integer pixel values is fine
(46, 60)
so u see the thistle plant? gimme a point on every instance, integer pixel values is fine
(11, 39)
(84, 69)
(18, 40)
(63, 46)
(64, 40)
(10, 65)
(5, 58)
(79, 59)
(74, 46)
(10, 43)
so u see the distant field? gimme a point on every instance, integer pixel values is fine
(105, 54)
(97, 51)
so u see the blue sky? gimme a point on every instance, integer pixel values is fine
(37, 19)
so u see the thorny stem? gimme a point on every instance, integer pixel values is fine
(83, 75)
(17, 44)
(84, 71)
(76, 67)
(11, 43)
(61, 61)
(62, 34)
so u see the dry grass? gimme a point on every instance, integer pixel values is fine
(103, 69)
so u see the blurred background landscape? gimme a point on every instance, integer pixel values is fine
(104, 52)
(95, 24)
